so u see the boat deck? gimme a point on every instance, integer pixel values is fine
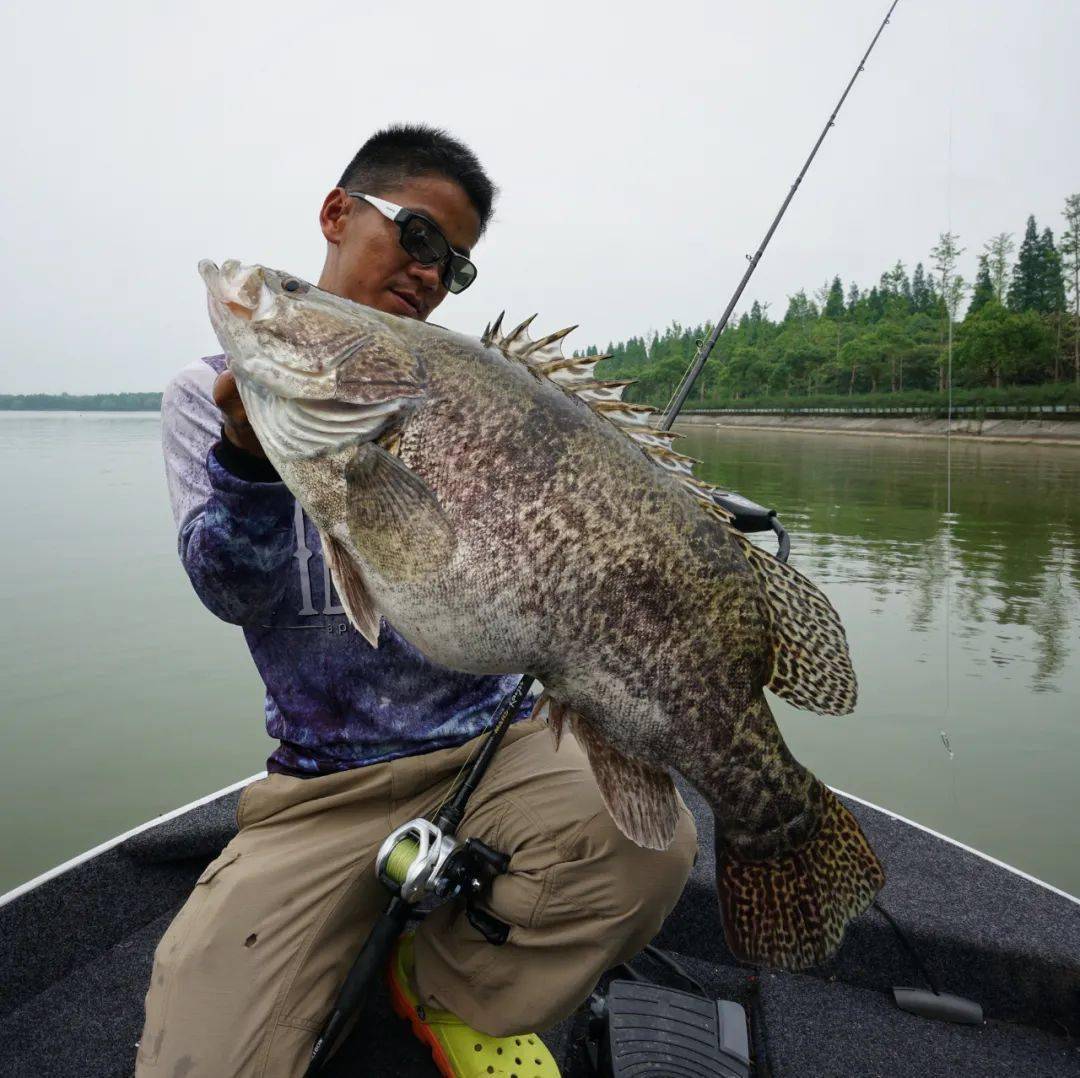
(76, 953)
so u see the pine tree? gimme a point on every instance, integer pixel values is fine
(920, 293)
(984, 287)
(799, 308)
(834, 302)
(1052, 290)
(853, 297)
(1025, 288)
(933, 300)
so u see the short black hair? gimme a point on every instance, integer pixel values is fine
(404, 151)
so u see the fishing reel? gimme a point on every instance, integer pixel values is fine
(419, 859)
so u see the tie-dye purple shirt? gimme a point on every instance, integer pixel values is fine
(255, 560)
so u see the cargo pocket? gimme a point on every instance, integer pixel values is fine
(226, 857)
(168, 958)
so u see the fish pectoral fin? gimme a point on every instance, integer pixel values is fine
(394, 517)
(349, 584)
(640, 797)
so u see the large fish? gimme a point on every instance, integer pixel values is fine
(507, 512)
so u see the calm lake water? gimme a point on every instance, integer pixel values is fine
(121, 697)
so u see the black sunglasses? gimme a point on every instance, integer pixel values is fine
(424, 241)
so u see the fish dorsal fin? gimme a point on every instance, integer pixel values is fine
(575, 371)
(576, 375)
(811, 662)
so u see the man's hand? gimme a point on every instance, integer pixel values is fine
(234, 418)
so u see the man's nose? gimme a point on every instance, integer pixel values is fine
(430, 277)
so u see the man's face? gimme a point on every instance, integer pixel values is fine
(365, 261)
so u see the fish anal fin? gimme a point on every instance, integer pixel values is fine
(792, 911)
(640, 797)
(553, 713)
(811, 662)
(394, 517)
(349, 584)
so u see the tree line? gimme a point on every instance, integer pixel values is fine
(1019, 332)
(90, 402)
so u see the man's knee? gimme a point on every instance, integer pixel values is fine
(644, 884)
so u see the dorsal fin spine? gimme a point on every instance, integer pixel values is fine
(575, 375)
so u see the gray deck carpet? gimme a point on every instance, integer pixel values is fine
(76, 954)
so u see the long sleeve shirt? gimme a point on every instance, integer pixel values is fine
(332, 701)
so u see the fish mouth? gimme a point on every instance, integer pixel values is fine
(234, 287)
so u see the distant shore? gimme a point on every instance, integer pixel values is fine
(1063, 432)
(1016, 431)
(80, 402)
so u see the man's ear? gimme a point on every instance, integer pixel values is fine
(334, 215)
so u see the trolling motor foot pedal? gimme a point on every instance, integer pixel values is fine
(646, 1029)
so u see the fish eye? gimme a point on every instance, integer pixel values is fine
(279, 281)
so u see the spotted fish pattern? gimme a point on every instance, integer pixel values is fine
(506, 510)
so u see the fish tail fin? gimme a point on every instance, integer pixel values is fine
(791, 911)
(811, 662)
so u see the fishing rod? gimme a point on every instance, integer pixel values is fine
(690, 377)
(419, 859)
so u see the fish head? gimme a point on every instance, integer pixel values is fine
(316, 372)
(297, 341)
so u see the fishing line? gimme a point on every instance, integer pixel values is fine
(949, 311)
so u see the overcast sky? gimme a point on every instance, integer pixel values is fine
(641, 149)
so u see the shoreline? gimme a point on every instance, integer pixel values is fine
(1005, 431)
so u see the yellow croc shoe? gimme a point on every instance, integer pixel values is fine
(458, 1050)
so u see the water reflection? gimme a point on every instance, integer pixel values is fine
(872, 513)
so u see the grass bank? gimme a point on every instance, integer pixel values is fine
(1045, 430)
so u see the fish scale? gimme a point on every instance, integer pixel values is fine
(507, 512)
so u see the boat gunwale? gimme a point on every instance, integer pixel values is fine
(108, 844)
(111, 843)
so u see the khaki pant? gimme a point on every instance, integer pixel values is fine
(245, 974)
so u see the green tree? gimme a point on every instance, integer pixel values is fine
(853, 297)
(1025, 289)
(800, 309)
(921, 296)
(983, 293)
(1070, 260)
(946, 253)
(998, 252)
(834, 302)
(895, 286)
(995, 345)
(890, 337)
(1052, 299)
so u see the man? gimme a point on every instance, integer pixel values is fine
(370, 738)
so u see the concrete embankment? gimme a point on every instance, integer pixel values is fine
(1019, 431)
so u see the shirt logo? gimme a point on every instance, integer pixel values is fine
(303, 557)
